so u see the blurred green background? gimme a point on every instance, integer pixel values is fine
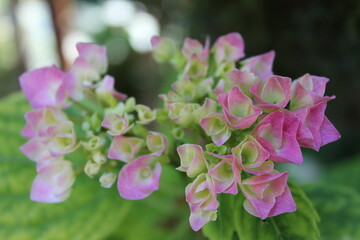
(317, 37)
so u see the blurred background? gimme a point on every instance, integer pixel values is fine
(320, 37)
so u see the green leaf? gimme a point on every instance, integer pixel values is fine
(299, 225)
(90, 213)
(224, 226)
(163, 215)
(339, 208)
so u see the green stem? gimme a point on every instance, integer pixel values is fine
(276, 229)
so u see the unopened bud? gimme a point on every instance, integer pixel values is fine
(145, 114)
(107, 180)
(99, 158)
(93, 144)
(91, 168)
(130, 105)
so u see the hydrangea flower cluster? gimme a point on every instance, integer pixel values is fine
(251, 119)
(107, 128)
(230, 126)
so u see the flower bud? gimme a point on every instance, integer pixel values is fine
(95, 122)
(116, 125)
(107, 180)
(186, 89)
(215, 126)
(252, 157)
(163, 49)
(91, 168)
(145, 114)
(178, 132)
(98, 158)
(208, 107)
(93, 144)
(130, 105)
(156, 143)
(181, 113)
(195, 68)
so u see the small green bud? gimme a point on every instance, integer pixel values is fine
(91, 168)
(107, 180)
(99, 158)
(130, 105)
(93, 144)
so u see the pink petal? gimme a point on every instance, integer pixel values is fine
(94, 54)
(124, 148)
(133, 185)
(53, 182)
(328, 132)
(272, 94)
(263, 192)
(200, 218)
(226, 175)
(36, 149)
(40, 86)
(192, 47)
(283, 203)
(192, 159)
(157, 148)
(244, 80)
(260, 65)
(229, 48)
(238, 109)
(107, 86)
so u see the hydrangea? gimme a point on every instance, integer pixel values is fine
(229, 120)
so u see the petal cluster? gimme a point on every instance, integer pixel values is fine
(250, 119)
